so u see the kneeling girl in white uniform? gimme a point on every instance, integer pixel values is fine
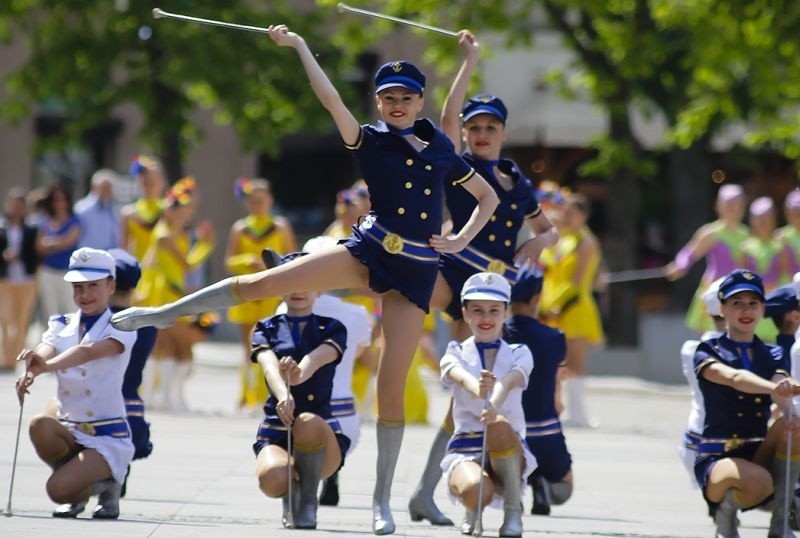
(90, 441)
(487, 377)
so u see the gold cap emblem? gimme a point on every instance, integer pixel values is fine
(84, 256)
(397, 67)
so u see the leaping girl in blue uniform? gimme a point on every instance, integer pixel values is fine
(406, 163)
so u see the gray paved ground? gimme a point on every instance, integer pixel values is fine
(199, 481)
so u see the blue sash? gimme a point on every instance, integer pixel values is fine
(343, 407)
(115, 427)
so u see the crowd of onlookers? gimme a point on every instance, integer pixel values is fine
(39, 230)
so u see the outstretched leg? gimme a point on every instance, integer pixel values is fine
(332, 269)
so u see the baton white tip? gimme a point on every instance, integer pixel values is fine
(341, 7)
(157, 13)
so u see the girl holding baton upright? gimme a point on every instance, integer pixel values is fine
(487, 377)
(298, 352)
(395, 249)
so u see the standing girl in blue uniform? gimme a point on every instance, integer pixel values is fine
(89, 441)
(406, 162)
(480, 123)
(742, 460)
(552, 480)
(302, 349)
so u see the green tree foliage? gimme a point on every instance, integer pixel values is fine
(88, 57)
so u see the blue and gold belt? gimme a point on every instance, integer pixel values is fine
(721, 446)
(396, 244)
(272, 429)
(466, 443)
(477, 259)
(542, 428)
(115, 427)
(134, 408)
(343, 407)
(692, 439)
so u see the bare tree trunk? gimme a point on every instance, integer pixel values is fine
(621, 241)
(691, 207)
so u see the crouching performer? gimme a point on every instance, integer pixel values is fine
(742, 463)
(89, 444)
(298, 352)
(487, 377)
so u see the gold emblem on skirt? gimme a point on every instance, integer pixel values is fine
(730, 444)
(392, 243)
(86, 428)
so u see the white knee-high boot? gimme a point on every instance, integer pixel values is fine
(176, 400)
(576, 403)
(166, 374)
(151, 371)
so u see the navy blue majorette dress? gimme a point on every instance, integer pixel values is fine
(406, 190)
(494, 246)
(282, 335)
(134, 406)
(736, 422)
(542, 425)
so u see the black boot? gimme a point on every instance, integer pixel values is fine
(330, 491)
(125, 483)
(541, 495)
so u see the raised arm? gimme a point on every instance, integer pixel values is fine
(348, 126)
(451, 111)
(697, 247)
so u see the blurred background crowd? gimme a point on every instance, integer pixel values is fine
(627, 103)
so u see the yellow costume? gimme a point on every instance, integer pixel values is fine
(166, 279)
(140, 226)
(578, 315)
(257, 233)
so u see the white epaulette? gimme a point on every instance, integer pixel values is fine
(454, 344)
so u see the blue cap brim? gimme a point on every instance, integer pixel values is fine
(738, 288)
(399, 81)
(86, 274)
(484, 294)
(484, 109)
